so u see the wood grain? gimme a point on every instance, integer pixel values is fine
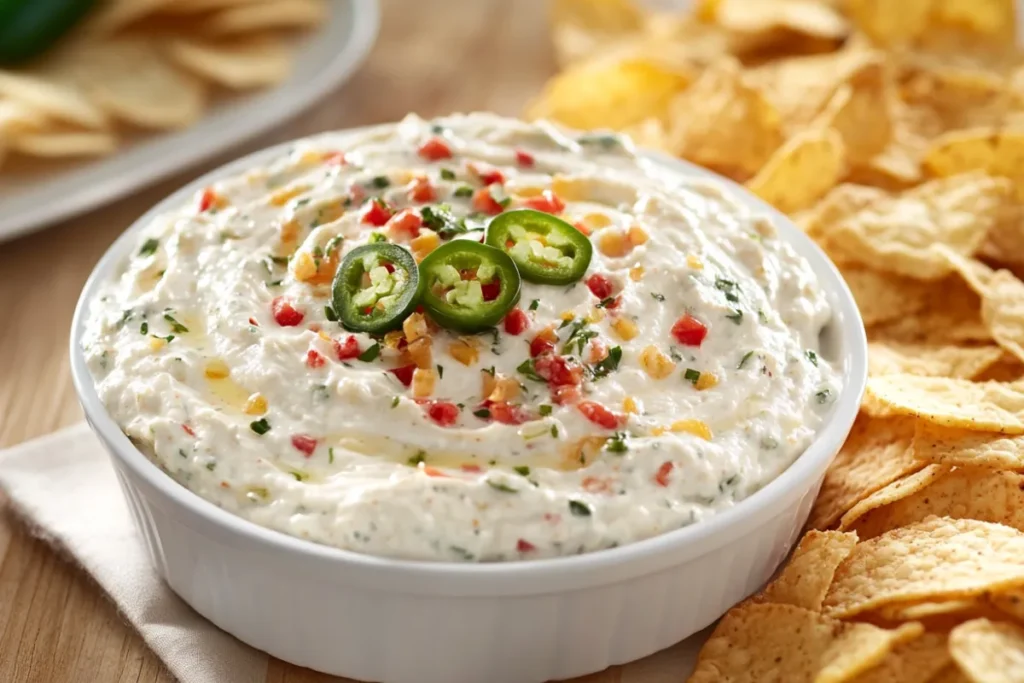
(432, 57)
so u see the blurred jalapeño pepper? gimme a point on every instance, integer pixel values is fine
(546, 249)
(377, 286)
(468, 286)
(29, 27)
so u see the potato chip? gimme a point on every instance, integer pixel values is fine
(859, 112)
(608, 93)
(897, 490)
(873, 292)
(968, 448)
(964, 362)
(1010, 602)
(270, 14)
(581, 28)
(937, 559)
(997, 152)
(989, 652)
(768, 642)
(767, 21)
(55, 144)
(876, 18)
(899, 234)
(805, 579)
(991, 18)
(51, 99)
(724, 123)
(912, 662)
(963, 493)
(876, 454)
(980, 406)
(1002, 311)
(130, 79)
(240, 64)
(806, 167)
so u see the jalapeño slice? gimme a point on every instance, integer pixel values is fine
(546, 249)
(377, 286)
(468, 286)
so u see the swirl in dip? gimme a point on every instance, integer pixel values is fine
(672, 379)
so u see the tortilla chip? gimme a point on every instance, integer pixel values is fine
(805, 579)
(922, 611)
(960, 97)
(989, 652)
(113, 15)
(912, 662)
(247, 63)
(51, 99)
(994, 19)
(269, 14)
(18, 117)
(898, 166)
(893, 358)
(876, 18)
(996, 152)
(769, 23)
(896, 491)
(1008, 369)
(980, 406)
(859, 112)
(840, 204)
(899, 234)
(968, 448)
(806, 167)
(1002, 311)
(769, 642)
(649, 133)
(580, 28)
(60, 144)
(952, 315)
(951, 674)
(963, 493)
(725, 123)
(874, 291)
(1010, 602)
(876, 454)
(937, 559)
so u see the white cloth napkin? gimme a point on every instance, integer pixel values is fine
(63, 485)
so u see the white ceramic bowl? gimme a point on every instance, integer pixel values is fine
(396, 621)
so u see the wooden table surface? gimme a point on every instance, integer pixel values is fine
(432, 57)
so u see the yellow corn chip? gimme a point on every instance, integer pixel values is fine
(1010, 602)
(57, 144)
(964, 362)
(981, 406)
(897, 490)
(1002, 311)
(967, 448)
(951, 674)
(912, 662)
(269, 14)
(52, 99)
(990, 18)
(877, 19)
(765, 21)
(874, 293)
(805, 579)
(581, 28)
(859, 112)
(806, 167)
(997, 152)
(239, 64)
(929, 611)
(950, 316)
(989, 652)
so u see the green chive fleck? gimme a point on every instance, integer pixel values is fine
(149, 247)
(370, 354)
(260, 426)
(522, 470)
(743, 361)
(579, 508)
(691, 375)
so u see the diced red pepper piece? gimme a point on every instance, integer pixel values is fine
(335, 159)
(524, 158)
(661, 477)
(375, 213)
(599, 415)
(490, 290)
(539, 346)
(565, 395)
(422, 191)
(406, 222)
(524, 546)
(598, 351)
(404, 373)
(548, 202)
(315, 359)
(285, 313)
(253, 322)
(558, 369)
(304, 443)
(582, 227)
(433, 471)
(600, 286)
(485, 203)
(444, 413)
(471, 468)
(188, 429)
(488, 175)
(356, 193)
(207, 199)
(348, 349)
(516, 321)
(435, 149)
(689, 331)
(508, 413)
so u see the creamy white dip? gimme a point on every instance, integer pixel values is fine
(266, 421)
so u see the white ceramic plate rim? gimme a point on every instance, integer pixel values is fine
(521, 577)
(105, 180)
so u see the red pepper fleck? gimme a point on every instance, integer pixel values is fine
(600, 286)
(485, 203)
(566, 394)
(524, 546)
(582, 227)
(435, 149)
(598, 351)
(404, 373)
(508, 413)
(539, 346)
(253, 322)
(375, 213)
(406, 222)
(596, 484)
(356, 193)
(315, 359)
(689, 331)
(422, 191)
(662, 475)
(304, 443)
(553, 518)
(516, 321)
(599, 415)
(470, 468)
(558, 370)
(207, 199)
(335, 159)
(314, 327)
(285, 313)
(348, 349)
(188, 429)
(444, 413)
(524, 158)
(433, 471)
(491, 290)
(548, 202)
(488, 175)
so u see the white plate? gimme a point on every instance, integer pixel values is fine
(324, 61)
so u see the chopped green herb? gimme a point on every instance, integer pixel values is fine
(554, 431)
(376, 237)
(534, 304)
(169, 338)
(674, 353)
(527, 368)
(440, 371)
(371, 353)
(447, 174)
(144, 329)
(333, 244)
(762, 317)
(380, 182)
(149, 247)
(260, 426)
(522, 470)
(299, 475)
(609, 363)
(279, 260)
(579, 508)
(579, 335)
(438, 129)
(606, 302)
(544, 409)
(395, 401)
(824, 395)
(657, 297)
(330, 455)
(489, 371)
(318, 252)
(499, 486)
(175, 325)
(421, 456)
(463, 191)
(606, 141)
(736, 316)
(330, 314)
(462, 552)
(743, 361)
(813, 357)
(691, 375)
(483, 413)
(769, 442)
(729, 288)
(616, 443)
(211, 466)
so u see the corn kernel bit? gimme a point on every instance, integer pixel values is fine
(426, 242)
(596, 221)
(636, 273)
(505, 389)
(655, 363)
(569, 189)
(415, 326)
(423, 380)
(527, 191)
(403, 177)
(216, 369)
(629, 405)
(330, 213)
(595, 315)
(694, 262)
(637, 235)
(613, 242)
(310, 158)
(464, 351)
(281, 197)
(695, 427)
(323, 335)
(567, 315)
(625, 328)
(304, 267)
(489, 382)
(658, 431)
(289, 231)
(393, 338)
(255, 404)
(706, 381)
(419, 353)
(157, 344)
